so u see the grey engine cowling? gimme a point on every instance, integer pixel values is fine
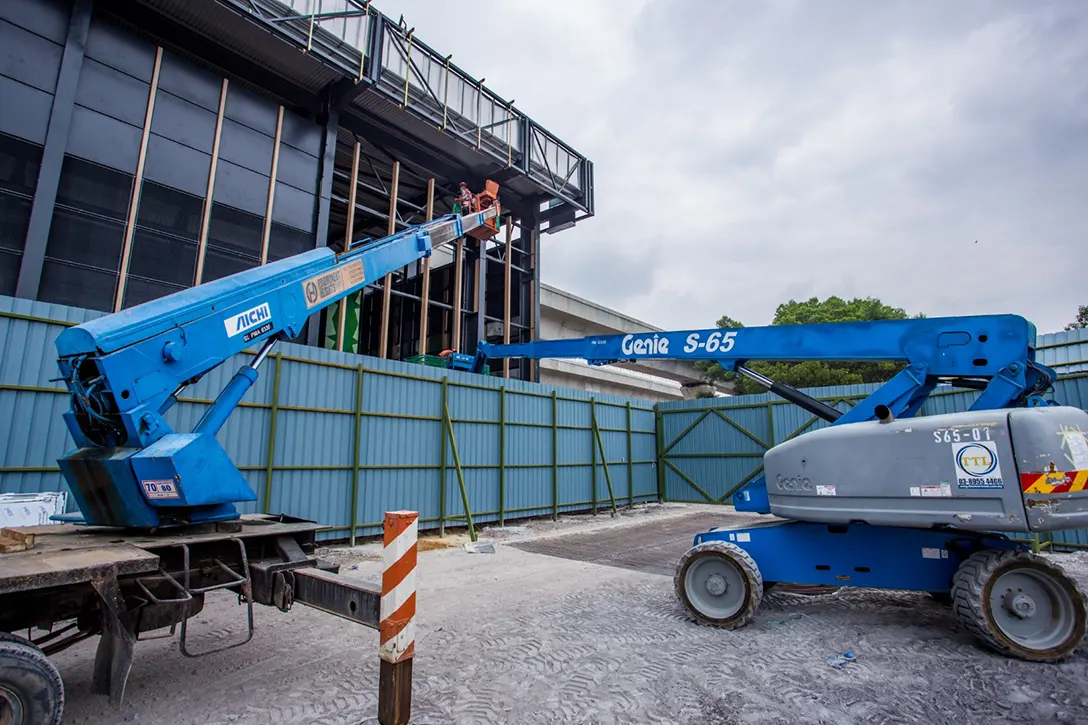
(1013, 470)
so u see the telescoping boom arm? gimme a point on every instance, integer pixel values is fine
(125, 370)
(991, 353)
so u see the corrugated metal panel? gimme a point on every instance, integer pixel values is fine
(400, 433)
(1066, 351)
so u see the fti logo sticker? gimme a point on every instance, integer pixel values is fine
(977, 465)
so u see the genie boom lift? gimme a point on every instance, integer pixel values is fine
(157, 526)
(884, 498)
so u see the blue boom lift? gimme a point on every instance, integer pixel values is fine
(884, 498)
(157, 526)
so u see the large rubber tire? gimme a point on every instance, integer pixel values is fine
(31, 690)
(1058, 618)
(719, 584)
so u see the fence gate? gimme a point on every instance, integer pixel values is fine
(707, 453)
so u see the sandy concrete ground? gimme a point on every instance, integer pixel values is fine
(515, 637)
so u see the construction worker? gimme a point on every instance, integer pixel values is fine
(466, 199)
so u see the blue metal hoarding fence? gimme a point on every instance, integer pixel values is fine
(342, 438)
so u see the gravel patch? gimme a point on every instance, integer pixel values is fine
(521, 637)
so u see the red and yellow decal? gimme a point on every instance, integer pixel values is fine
(1054, 482)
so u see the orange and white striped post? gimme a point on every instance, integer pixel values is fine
(396, 626)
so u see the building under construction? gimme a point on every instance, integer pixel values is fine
(150, 145)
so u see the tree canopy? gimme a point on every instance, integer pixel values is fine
(813, 373)
(1081, 321)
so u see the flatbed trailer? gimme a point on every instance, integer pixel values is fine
(71, 582)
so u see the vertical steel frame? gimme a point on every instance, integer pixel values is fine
(56, 141)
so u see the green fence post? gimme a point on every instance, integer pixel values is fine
(593, 449)
(272, 434)
(355, 450)
(604, 462)
(660, 430)
(442, 465)
(460, 473)
(770, 422)
(555, 457)
(502, 455)
(630, 462)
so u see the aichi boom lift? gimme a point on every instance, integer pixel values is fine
(884, 498)
(158, 528)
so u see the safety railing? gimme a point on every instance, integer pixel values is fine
(553, 163)
(418, 78)
(352, 34)
(337, 31)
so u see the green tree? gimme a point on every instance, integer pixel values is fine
(814, 373)
(1081, 321)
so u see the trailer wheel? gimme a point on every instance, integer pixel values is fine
(1020, 605)
(719, 584)
(31, 691)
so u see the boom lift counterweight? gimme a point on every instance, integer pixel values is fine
(883, 497)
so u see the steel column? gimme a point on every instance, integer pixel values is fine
(458, 284)
(534, 269)
(480, 304)
(56, 141)
(331, 113)
(328, 165)
(506, 294)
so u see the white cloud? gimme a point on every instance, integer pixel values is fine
(746, 153)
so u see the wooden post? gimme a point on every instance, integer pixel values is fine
(137, 186)
(425, 297)
(506, 295)
(206, 217)
(267, 235)
(387, 283)
(341, 326)
(397, 627)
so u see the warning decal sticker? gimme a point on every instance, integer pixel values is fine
(1054, 482)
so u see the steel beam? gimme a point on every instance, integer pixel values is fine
(352, 599)
(56, 141)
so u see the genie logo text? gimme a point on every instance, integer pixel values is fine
(644, 345)
(977, 465)
(237, 324)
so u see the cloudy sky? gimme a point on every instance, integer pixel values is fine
(933, 154)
